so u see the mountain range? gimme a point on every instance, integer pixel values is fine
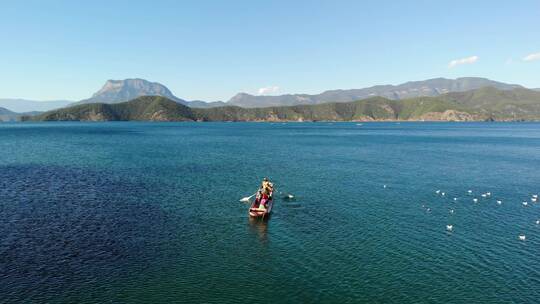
(483, 104)
(115, 91)
(430, 87)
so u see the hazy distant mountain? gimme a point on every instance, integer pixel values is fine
(115, 91)
(431, 87)
(478, 105)
(7, 115)
(204, 104)
(23, 105)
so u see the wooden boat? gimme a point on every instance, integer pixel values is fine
(256, 211)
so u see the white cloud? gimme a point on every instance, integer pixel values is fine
(268, 90)
(466, 60)
(531, 57)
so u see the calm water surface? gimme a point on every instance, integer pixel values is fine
(149, 213)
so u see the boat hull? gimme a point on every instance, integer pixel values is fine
(261, 213)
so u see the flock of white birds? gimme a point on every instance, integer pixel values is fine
(521, 237)
(450, 228)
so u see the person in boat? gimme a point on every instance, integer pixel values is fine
(267, 187)
(265, 193)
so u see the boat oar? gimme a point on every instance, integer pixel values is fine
(247, 198)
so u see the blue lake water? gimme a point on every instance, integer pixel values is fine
(149, 213)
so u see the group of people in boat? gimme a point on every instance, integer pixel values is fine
(264, 194)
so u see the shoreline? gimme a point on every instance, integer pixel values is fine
(281, 121)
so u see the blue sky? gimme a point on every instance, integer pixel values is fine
(211, 50)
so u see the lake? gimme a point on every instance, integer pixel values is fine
(129, 212)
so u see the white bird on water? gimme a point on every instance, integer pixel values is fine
(522, 237)
(475, 200)
(488, 193)
(484, 195)
(499, 202)
(449, 227)
(470, 191)
(537, 222)
(451, 211)
(525, 204)
(438, 191)
(535, 196)
(455, 198)
(534, 200)
(443, 194)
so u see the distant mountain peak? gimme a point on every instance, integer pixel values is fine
(115, 91)
(241, 95)
(134, 83)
